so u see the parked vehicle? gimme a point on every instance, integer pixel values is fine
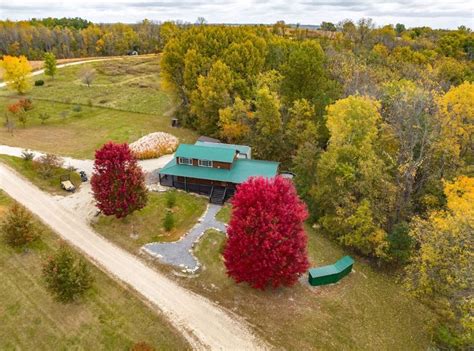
(66, 183)
(83, 176)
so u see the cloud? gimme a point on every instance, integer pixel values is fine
(434, 13)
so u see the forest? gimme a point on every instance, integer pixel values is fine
(376, 123)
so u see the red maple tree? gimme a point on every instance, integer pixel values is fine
(118, 182)
(266, 245)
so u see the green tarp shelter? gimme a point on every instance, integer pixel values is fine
(332, 273)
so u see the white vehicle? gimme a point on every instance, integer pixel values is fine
(66, 183)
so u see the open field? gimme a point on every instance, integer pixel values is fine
(124, 103)
(30, 171)
(109, 317)
(368, 310)
(147, 223)
(38, 64)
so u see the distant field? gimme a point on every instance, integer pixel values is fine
(124, 103)
(36, 65)
(108, 318)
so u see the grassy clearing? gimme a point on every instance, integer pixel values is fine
(124, 103)
(129, 84)
(109, 317)
(29, 170)
(224, 213)
(147, 224)
(366, 311)
(79, 133)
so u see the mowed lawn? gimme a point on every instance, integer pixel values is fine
(368, 310)
(109, 317)
(146, 225)
(124, 103)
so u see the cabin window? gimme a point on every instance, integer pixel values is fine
(185, 161)
(205, 163)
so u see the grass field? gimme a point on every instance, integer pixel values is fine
(147, 223)
(30, 171)
(368, 310)
(109, 317)
(124, 103)
(224, 213)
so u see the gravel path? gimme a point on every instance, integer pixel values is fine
(203, 323)
(87, 165)
(179, 253)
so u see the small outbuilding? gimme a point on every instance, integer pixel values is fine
(332, 273)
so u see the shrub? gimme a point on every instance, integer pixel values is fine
(43, 116)
(400, 243)
(168, 221)
(27, 155)
(66, 276)
(39, 83)
(171, 199)
(266, 245)
(26, 104)
(46, 165)
(18, 228)
(77, 108)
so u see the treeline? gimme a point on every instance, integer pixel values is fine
(68, 38)
(377, 124)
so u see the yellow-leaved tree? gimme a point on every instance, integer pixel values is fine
(16, 73)
(441, 270)
(456, 118)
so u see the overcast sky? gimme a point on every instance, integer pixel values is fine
(434, 13)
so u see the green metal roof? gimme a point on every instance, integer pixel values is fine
(331, 269)
(242, 169)
(244, 149)
(219, 154)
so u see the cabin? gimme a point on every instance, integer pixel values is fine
(214, 169)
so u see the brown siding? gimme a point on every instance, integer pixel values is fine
(205, 182)
(223, 165)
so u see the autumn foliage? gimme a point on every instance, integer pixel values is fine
(118, 182)
(266, 244)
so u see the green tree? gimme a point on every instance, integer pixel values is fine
(213, 92)
(353, 194)
(267, 134)
(301, 127)
(304, 76)
(66, 276)
(50, 64)
(18, 228)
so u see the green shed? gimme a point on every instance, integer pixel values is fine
(332, 273)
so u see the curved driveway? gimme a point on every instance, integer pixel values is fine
(204, 324)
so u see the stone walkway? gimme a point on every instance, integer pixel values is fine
(179, 253)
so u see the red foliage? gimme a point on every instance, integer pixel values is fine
(21, 105)
(266, 243)
(118, 182)
(14, 108)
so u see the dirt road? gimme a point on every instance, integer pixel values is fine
(204, 324)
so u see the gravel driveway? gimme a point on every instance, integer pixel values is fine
(203, 323)
(180, 253)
